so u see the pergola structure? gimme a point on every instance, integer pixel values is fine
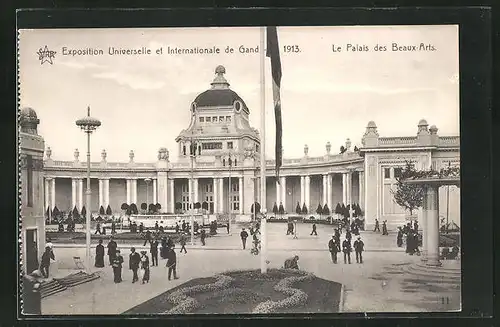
(431, 182)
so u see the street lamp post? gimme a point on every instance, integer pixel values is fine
(192, 154)
(147, 180)
(230, 163)
(88, 125)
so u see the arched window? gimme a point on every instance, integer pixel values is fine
(224, 162)
(235, 163)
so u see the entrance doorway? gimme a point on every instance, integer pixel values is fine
(31, 250)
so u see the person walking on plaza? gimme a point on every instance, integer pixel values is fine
(144, 267)
(415, 226)
(202, 237)
(384, 228)
(377, 226)
(182, 242)
(141, 228)
(348, 236)
(399, 239)
(337, 235)
(134, 261)
(346, 248)
(183, 226)
(359, 247)
(98, 229)
(334, 248)
(147, 237)
(163, 250)
(314, 230)
(117, 266)
(227, 226)
(45, 262)
(177, 227)
(154, 252)
(111, 249)
(172, 263)
(156, 227)
(99, 255)
(113, 228)
(244, 236)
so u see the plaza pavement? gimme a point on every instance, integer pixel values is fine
(365, 290)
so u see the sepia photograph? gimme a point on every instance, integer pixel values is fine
(239, 170)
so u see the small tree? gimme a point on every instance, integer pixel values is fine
(55, 212)
(108, 211)
(178, 206)
(144, 206)
(326, 210)
(338, 209)
(343, 210)
(133, 209)
(157, 207)
(408, 196)
(128, 212)
(255, 208)
(298, 209)
(281, 209)
(84, 212)
(101, 210)
(356, 149)
(152, 208)
(124, 206)
(304, 209)
(47, 213)
(342, 149)
(319, 210)
(275, 209)
(204, 205)
(197, 205)
(76, 214)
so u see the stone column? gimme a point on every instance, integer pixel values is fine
(53, 193)
(80, 194)
(47, 193)
(73, 193)
(308, 193)
(172, 195)
(431, 205)
(283, 191)
(106, 193)
(344, 188)
(221, 195)
(422, 214)
(128, 192)
(195, 189)
(190, 192)
(361, 190)
(134, 191)
(278, 193)
(215, 197)
(101, 194)
(325, 188)
(240, 188)
(302, 191)
(330, 192)
(349, 193)
(155, 197)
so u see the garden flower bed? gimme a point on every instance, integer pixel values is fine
(237, 292)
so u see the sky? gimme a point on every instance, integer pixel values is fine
(143, 101)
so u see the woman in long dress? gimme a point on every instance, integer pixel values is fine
(99, 255)
(117, 267)
(145, 267)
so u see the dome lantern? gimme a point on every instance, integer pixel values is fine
(220, 81)
(29, 121)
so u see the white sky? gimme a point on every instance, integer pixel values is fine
(143, 102)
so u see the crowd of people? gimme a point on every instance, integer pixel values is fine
(413, 238)
(346, 247)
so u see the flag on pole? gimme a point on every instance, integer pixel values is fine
(273, 51)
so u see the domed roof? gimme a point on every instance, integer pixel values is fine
(422, 122)
(371, 124)
(28, 113)
(220, 94)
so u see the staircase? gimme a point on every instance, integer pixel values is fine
(448, 273)
(57, 285)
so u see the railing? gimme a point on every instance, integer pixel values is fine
(398, 140)
(449, 140)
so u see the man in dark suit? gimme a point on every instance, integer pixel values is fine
(359, 247)
(172, 263)
(154, 252)
(334, 248)
(244, 236)
(134, 261)
(111, 250)
(346, 248)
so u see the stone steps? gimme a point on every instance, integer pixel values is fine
(51, 287)
(57, 285)
(444, 274)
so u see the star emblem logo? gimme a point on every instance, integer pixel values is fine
(46, 55)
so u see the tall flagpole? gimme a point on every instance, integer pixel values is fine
(263, 242)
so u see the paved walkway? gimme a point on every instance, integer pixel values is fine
(366, 291)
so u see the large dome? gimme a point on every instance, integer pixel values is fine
(220, 94)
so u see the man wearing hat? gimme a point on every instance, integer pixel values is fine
(359, 247)
(334, 248)
(45, 264)
(111, 249)
(244, 236)
(134, 261)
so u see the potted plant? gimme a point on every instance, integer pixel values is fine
(108, 211)
(319, 210)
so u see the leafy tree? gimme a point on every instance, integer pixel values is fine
(84, 212)
(76, 214)
(133, 209)
(152, 208)
(101, 210)
(197, 205)
(326, 210)
(178, 206)
(108, 211)
(204, 205)
(144, 206)
(342, 210)
(55, 212)
(255, 207)
(128, 212)
(356, 149)
(275, 209)
(342, 149)
(158, 206)
(298, 209)
(304, 209)
(319, 210)
(124, 206)
(338, 209)
(359, 212)
(281, 209)
(408, 196)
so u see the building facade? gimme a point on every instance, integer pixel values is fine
(31, 190)
(224, 170)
